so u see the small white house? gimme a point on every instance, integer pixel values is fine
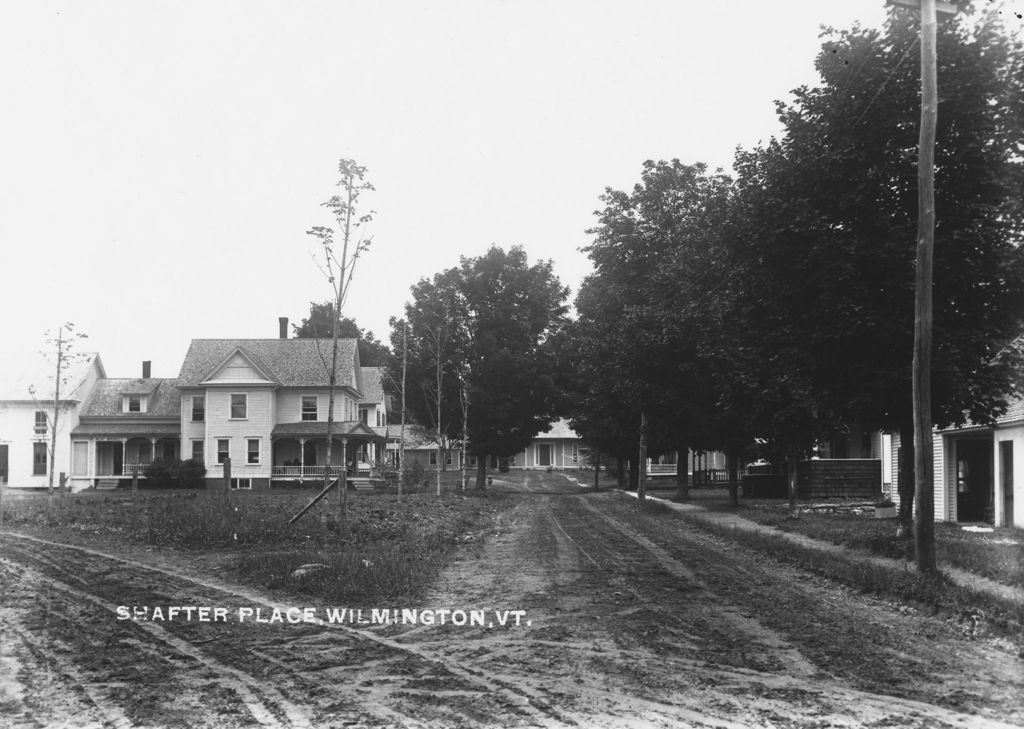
(978, 471)
(27, 410)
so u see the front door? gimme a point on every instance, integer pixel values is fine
(974, 480)
(1006, 477)
(3, 463)
(543, 454)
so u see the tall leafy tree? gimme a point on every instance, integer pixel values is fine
(479, 345)
(639, 312)
(827, 237)
(513, 309)
(320, 325)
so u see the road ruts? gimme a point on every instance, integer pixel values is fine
(294, 675)
(647, 614)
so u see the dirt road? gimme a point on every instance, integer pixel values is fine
(627, 619)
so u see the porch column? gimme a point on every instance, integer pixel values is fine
(302, 457)
(344, 457)
(124, 454)
(152, 453)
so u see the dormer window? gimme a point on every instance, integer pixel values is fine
(134, 403)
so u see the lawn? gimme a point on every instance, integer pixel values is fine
(387, 549)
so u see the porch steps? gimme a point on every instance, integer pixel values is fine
(362, 483)
(108, 484)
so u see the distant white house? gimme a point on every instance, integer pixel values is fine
(558, 447)
(26, 409)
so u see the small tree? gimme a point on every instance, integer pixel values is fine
(339, 271)
(61, 355)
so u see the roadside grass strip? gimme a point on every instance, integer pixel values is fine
(972, 600)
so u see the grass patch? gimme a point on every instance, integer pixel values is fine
(389, 550)
(934, 593)
(999, 555)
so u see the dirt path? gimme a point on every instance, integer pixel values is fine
(628, 619)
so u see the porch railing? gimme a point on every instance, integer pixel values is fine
(319, 471)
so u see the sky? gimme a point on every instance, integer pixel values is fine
(162, 161)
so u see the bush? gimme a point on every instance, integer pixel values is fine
(174, 473)
(415, 476)
(503, 465)
(162, 473)
(191, 473)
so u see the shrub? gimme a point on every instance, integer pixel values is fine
(190, 473)
(503, 465)
(174, 473)
(415, 476)
(162, 473)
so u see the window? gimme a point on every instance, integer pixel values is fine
(433, 458)
(364, 415)
(223, 450)
(198, 453)
(241, 483)
(40, 421)
(38, 459)
(253, 451)
(309, 407)
(575, 453)
(134, 404)
(80, 458)
(198, 408)
(239, 406)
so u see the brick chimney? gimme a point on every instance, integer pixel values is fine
(146, 369)
(283, 324)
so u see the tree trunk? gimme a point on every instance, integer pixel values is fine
(634, 474)
(620, 471)
(481, 471)
(682, 477)
(792, 464)
(597, 469)
(733, 461)
(905, 482)
(641, 479)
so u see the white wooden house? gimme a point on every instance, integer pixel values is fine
(26, 412)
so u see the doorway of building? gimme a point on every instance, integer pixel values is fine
(3, 463)
(974, 493)
(543, 454)
(1006, 477)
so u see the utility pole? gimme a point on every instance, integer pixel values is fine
(401, 432)
(924, 522)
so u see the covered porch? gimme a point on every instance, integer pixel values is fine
(119, 451)
(300, 451)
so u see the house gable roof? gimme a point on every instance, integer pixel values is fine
(240, 367)
(22, 372)
(163, 398)
(373, 385)
(288, 362)
(558, 429)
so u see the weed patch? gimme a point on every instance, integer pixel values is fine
(388, 549)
